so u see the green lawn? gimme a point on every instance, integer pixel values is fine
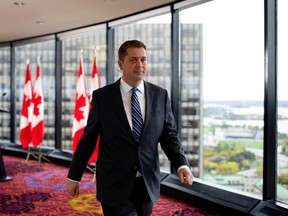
(249, 144)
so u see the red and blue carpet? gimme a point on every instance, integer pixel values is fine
(39, 189)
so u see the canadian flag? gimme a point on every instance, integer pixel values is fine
(95, 81)
(95, 84)
(38, 111)
(27, 110)
(81, 108)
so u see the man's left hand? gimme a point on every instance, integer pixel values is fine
(185, 175)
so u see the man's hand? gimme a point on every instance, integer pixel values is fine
(185, 176)
(72, 187)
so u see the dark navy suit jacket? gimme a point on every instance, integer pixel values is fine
(119, 155)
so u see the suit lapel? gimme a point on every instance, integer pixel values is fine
(149, 94)
(118, 104)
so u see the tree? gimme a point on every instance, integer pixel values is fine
(260, 171)
(283, 179)
(209, 166)
(228, 168)
(285, 148)
(245, 164)
(241, 156)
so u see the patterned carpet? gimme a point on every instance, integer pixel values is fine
(39, 189)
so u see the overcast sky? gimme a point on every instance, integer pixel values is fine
(233, 48)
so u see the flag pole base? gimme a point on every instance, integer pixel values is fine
(91, 169)
(41, 156)
(46, 159)
(29, 153)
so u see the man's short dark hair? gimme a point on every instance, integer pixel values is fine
(122, 51)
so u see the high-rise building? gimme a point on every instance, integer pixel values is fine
(157, 39)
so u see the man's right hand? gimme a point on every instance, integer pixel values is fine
(72, 187)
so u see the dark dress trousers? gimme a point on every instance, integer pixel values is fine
(3, 176)
(120, 156)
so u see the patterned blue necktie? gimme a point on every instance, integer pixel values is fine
(137, 120)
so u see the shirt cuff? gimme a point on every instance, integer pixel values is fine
(183, 167)
(72, 180)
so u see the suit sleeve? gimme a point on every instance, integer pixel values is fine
(169, 141)
(86, 144)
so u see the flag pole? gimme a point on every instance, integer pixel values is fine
(93, 87)
(41, 156)
(93, 170)
(29, 153)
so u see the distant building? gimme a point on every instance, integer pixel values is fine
(158, 40)
(239, 133)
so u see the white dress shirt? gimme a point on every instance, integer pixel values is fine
(126, 97)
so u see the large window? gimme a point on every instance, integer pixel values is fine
(72, 47)
(191, 103)
(282, 123)
(222, 92)
(5, 93)
(157, 37)
(220, 109)
(156, 34)
(30, 51)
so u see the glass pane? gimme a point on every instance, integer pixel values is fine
(71, 59)
(46, 51)
(282, 123)
(5, 93)
(222, 92)
(156, 34)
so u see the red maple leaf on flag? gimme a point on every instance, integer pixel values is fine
(37, 101)
(80, 102)
(26, 103)
(81, 108)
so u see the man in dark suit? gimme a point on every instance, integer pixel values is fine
(128, 170)
(3, 176)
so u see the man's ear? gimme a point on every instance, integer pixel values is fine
(120, 64)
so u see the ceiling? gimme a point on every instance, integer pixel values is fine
(28, 18)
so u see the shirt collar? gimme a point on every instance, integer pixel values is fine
(126, 88)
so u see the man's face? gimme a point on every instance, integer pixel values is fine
(134, 65)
